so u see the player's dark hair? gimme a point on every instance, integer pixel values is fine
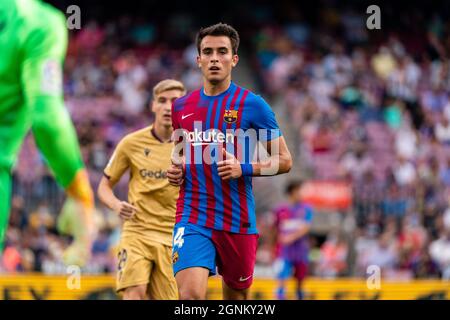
(219, 29)
(292, 186)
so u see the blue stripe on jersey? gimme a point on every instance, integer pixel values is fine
(203, 196)
(250, 150)
(187, 188)
(250, 205)
(218, 219)
(179, 103)
(234, 189)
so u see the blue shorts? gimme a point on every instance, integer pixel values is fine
(284, 269)
(233, 254)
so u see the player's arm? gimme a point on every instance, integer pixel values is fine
(116, 167)
(107, 197)
(301, 231)
(43, 49)
(279, 158)
(279, 161)
(274, 229)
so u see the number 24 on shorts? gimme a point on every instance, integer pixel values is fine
(178, 239)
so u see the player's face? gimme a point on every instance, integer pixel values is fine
(162, 106)
(216, 58)
(296, 195)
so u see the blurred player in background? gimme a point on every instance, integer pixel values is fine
(216, 220)
(144, 258)
(292, 224)
(33, 41)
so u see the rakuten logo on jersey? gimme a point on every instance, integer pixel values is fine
(211, 136)
(205, 147)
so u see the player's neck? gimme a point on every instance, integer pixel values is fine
(216, 89)
(162, 132)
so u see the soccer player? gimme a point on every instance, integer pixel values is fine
(144, 258)
(216, 221)
(33, 41)
(292, 224)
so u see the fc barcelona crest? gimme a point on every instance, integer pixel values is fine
(175, 257)
(230, 116)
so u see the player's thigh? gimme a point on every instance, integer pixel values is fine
(133, 267)
(5, 203)
(192, 283)
(162, 284)
(300, 270)
(236, 257)
(138, 292)
(56, 138)
(14, 124)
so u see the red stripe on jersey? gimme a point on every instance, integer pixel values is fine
(193, 216)
(175, 122)
(227, 203)
(241, 180)
(180, 205)
(210, 203)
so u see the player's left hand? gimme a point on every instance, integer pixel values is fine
(79, 222)
(230, 168)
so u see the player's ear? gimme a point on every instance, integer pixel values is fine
(235, 60)
(153, 106)
(198, 62)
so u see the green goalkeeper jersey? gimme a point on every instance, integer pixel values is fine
(33, 42)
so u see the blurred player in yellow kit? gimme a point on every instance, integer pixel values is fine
(144, 257)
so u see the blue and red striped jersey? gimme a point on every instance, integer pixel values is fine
(235, 120)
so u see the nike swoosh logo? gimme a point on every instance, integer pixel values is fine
(185, 116)
(244, 279)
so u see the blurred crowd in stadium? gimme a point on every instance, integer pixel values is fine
(369, 109)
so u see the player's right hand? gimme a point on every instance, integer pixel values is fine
(125, 210)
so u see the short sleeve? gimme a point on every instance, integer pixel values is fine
(177, 135)
(175, 123)
(118, 163)
(263, 120)
(44, 51)
(308, 214)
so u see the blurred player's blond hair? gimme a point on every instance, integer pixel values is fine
(166, 85)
